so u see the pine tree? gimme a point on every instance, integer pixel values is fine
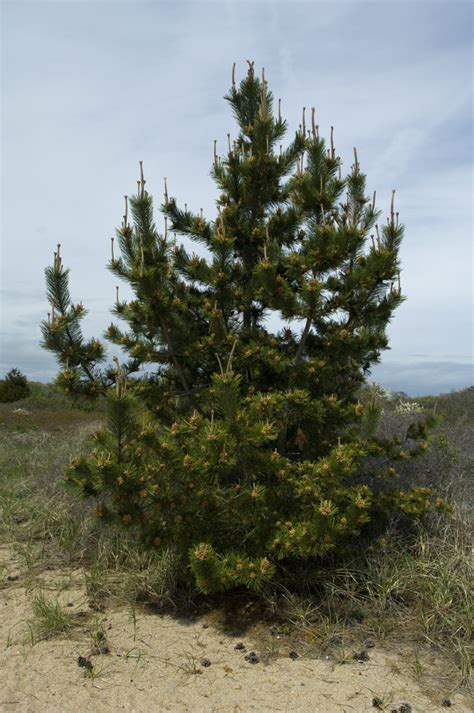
(14, 387)
(247, 445)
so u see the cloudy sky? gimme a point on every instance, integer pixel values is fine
(90, 88)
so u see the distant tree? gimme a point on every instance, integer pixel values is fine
(14, 387)
(246, 448)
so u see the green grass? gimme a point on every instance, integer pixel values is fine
(49, 618)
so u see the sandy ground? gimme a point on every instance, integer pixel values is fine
(154, 665)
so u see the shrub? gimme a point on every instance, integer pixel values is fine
(14, 387)
(408, 407)
(246, 449)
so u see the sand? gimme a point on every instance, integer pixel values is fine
(154, 664)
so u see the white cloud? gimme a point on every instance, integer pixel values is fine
(91, 88)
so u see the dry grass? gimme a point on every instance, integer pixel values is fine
(417, 592)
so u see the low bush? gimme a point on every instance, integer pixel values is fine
(14, 387)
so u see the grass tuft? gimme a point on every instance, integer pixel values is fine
(50, 618)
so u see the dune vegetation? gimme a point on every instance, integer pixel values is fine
(409, 591)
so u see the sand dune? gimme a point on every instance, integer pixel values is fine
(155, 664)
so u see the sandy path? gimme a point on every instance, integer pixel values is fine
(149, 669)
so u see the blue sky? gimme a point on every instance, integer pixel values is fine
(91, 88)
